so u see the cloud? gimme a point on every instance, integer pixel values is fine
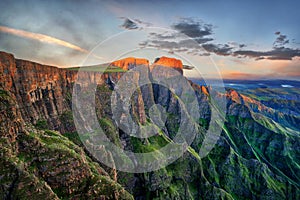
(281, 40)
(192, 28)
(189, 46)
(188, 67)
(277, 33)
(129, 24)
(219, 49)
(195, 37)
(163, 36)
(203, 40)
(281, 53)
(41, 37)
(236, 45)
(184, 45)
(143, 23)
(278, 52)
(190, 36)
(185, 34)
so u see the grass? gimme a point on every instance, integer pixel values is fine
(98, 68)
(110, 130)
(74, 137)
(4, 99)
(3, 93)
(41, 124)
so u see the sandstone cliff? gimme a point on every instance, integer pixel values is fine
(130, 62)
(167, 62)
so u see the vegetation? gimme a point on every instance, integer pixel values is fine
(46, 159)
(3, 93)
(98, 68)
(41, 124)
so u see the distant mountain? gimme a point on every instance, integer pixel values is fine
(42, 156)
(254, 84)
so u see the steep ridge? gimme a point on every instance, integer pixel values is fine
(249, 161)
(268, 139)
(286, 119)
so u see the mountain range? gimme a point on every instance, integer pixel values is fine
(43, 155)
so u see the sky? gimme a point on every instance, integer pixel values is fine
(234, 39)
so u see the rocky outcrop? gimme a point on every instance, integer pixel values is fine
(169, 62)
(130, 62)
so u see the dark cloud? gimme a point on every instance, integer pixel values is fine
(248, 53)
(278, 52)
(184, 45)
(192, 28)
(219, 49)
(162, 44)
(203, 40)
(188, 67)
(281, 53)
(281, 40)
(129, 24)
(187, 27)
(277, 33)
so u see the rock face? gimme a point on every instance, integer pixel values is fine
(41, 89)
(255, 158)
(129, 63)
(42, 164)
(169, 62)
(11, 122)
(43, 92)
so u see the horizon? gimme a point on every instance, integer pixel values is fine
(232, 40)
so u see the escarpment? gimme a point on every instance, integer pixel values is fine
(44, 92)
(252, 159)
